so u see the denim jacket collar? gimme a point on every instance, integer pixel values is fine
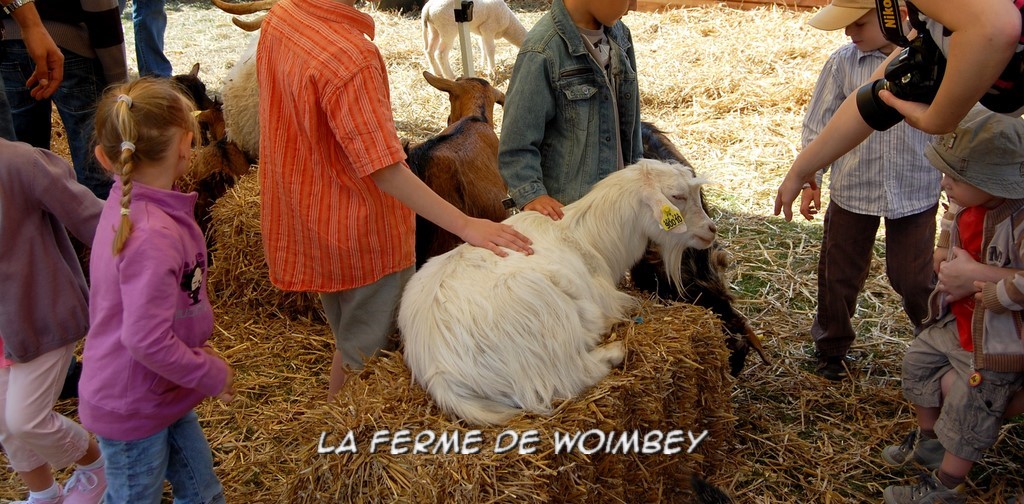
(567, 29)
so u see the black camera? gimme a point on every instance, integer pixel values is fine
(914, 75)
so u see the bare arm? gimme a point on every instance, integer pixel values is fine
(399, 182)
(985, 35)
(49, 60)
(843, 132)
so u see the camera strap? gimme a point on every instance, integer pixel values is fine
(891, 23)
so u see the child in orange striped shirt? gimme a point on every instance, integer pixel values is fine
(337, 196)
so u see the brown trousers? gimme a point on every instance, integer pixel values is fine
(843, 268)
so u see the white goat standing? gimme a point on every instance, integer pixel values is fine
(489, 337)
(492, 19)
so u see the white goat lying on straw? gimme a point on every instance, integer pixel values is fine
(489, 337)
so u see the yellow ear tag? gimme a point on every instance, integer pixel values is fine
(195, 113)
(670, 217)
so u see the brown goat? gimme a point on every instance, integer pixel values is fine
(217, 163)
(461, 163)
(702, 271)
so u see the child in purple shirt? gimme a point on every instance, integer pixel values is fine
(147, 364)
(43, 315)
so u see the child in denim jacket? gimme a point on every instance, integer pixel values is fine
(572, 110)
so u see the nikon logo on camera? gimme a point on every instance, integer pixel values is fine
(889, 15)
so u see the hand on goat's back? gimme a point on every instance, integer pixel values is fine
(495, 236)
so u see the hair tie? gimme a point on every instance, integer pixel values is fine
(125, 98)
(127, 146)
(124, 211)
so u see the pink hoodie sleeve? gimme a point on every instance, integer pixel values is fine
(149, 276)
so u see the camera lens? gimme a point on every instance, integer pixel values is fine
(876, 113)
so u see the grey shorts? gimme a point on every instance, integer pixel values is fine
(363, 319)
(971, 416)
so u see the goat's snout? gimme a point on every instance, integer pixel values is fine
(705, 235)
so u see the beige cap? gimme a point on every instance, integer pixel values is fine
(840, 13)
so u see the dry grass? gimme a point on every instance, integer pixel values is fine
(731, 87)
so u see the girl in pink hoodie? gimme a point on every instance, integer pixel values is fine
(146, 362)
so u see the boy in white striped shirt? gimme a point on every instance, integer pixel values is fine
(886, 176)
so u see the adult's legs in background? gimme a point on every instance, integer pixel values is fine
(150, 22)
(30, 118)
(6, 123)
(76, 101)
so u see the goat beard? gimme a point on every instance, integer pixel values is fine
(671, 257)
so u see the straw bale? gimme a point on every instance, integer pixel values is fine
(239, 272)
(675, 377)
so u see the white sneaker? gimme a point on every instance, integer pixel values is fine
(59, 499)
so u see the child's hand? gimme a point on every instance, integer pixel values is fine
(810, 201)
(939, 257)
(791, 188)
(495, 235)
(227, 393)
(979, 297)
(546, 205)
(957, 275)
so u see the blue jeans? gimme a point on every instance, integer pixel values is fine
(149, 20)
(136, 470)
(76, 102)
(6, 123)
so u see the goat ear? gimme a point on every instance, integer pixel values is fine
(668, 216)
(438, 82)
(195, 70)
(499, 97)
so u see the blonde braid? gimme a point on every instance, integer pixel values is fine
(126, 124)
(135, 126)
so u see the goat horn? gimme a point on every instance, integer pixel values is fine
(248, 25)
(244, 7)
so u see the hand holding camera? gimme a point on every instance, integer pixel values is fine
(914, 75)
